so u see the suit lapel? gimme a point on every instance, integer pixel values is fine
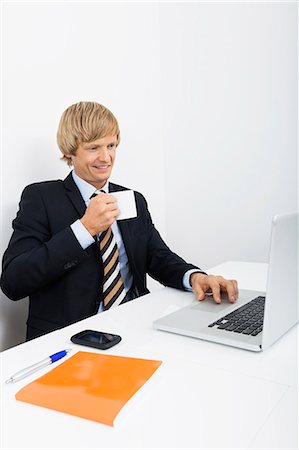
(124, 229)
(74, 195)
(128, 242)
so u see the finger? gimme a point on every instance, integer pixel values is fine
(116, 212)
(215, 288)
(199, 292)
(109, 198)
(112, 207)
(101, 206)
(110, 216)
(103, 199)
(235, 283)
(230, 289)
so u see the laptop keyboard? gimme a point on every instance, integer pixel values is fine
(248, 319)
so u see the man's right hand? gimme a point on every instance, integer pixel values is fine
(100, 214)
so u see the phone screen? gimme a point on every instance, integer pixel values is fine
(97, 337)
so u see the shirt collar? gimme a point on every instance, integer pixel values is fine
(86, 189)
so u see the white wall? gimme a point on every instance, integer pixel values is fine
(206, 98)
(230, 126)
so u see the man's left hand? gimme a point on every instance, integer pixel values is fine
(203, 284)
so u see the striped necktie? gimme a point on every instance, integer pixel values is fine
(113, 288)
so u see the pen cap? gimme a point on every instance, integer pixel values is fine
(58, 355)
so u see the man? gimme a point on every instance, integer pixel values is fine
(69, 254)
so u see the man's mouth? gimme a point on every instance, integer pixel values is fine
(102, 167)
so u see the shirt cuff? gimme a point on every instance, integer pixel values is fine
(83, 236)
(186, 279)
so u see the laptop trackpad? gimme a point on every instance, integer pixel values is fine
(210, 306)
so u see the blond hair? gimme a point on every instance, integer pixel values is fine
(84, 122)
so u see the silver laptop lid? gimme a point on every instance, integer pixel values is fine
(281, 309)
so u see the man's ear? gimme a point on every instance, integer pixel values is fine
(69, 158)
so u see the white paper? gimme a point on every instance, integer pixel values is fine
(126, 204)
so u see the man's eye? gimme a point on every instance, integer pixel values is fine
(112, 145)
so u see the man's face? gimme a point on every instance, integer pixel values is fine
(93, 161)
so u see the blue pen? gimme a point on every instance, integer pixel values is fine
(35, 367)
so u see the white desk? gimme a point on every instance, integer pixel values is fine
(204, 395)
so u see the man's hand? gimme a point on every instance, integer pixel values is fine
(203, 284)
(100, 213)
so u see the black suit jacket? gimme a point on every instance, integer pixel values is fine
(45, 261)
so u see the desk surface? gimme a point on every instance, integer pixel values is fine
(204, 395)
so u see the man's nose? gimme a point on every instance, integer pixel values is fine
(103, 154)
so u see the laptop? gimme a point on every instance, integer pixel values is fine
(257, 319)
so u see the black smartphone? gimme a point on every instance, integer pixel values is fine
(96, 339)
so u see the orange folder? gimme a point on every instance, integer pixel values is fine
(90, 385)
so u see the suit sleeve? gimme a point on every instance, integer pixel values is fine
(35, 257)
(163, 264)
